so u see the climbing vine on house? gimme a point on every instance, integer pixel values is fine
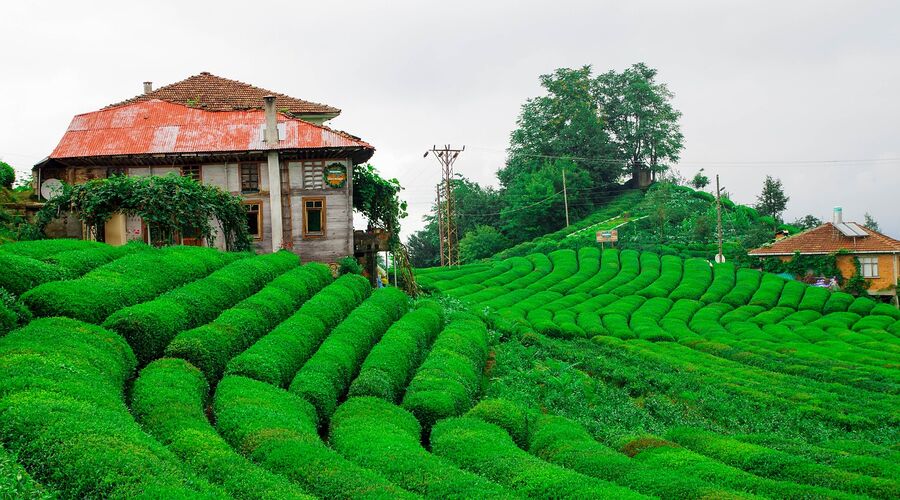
(818, 265)
(378, 199)
(169, 205)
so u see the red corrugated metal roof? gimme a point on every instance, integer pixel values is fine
(827, 239)
(157, 126)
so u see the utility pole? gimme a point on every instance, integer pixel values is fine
(719, 256)
(565, 197)
(449, 237)
(440, 214)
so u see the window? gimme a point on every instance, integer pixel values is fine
(192, 171)
(312, 175)
(254, 219)
(249, 177)
(313, 216)
(869, 267)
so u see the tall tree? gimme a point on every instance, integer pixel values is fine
(871, 223)
(772, 201)
(564, 122)
(640, 119)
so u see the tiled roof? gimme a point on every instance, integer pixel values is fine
(827, 239)
(159, 127)
(214, 93)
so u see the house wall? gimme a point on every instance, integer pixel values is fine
(887, 270)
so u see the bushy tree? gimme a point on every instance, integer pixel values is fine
(807, 222)
(870, 222)
(7, 175)
(424, 247)
(534, 202)
(772, 201)
(700, 180)
(480, 243)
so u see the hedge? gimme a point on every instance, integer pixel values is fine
(745, 285)
(385, 438)
(722, 283)
(564, 265)
(62, 414)
(775, 464)
(449, 380)
(814, 298)
(650, 268)
(80, 262)
(278, 431)
(123, 282)
(567, 444)
(769, 291)
(276, 357)
(325, 378)
(630, 267)
(169, 400)
(588, 266)
(393, 361)
(669, 278)
(40, 249)
(792, 294)
(211, 346)
(697, 278)
(21, 273)
(150, 326)
(487, 450)
(609, 267)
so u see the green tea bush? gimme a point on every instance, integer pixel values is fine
(814, 298)
(62, 414)
(792, 294)
(487, 450)
(518, 267)
(697, 278)
(885, 310)
(630, 267)
(276, 357)
(591, 324)
(722, 283)
(872, 323)
(565, 443)
(15, 482)
(150, 326)
(669, 278)
(278, 431)
(861, 306)
(588, 266)
(385, 438)
(650, 268)
(169, 400)
(769, 291)
(123, 282)
(617, 326)
(21, 273)
(325, 378)
(41, 249)
(449, 380)
(838, 302)
(507, 415)
(565, 264)
(80, 262)
(393, 361)
(745, 285)
(609, 267)
(626, 306)
(211, 346)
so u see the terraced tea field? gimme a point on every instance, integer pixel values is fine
(189, 373)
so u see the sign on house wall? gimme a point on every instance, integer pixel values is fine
(335, 175)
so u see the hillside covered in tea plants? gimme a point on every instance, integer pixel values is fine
(189, 373)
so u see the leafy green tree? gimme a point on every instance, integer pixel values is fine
(772, 201)
(7, 175)
(480, 243)
(640, 119)
(566, 122)
(807, 222)
(700, 180)
(870, 222)
(378, 199)
(534, 202)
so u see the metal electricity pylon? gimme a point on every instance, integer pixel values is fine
(447, 210)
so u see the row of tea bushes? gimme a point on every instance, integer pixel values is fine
(15, 482)
(62, 413)
(449, 380)
(133, 279)
(150, 326)
(487, 450)
(278, 431)
(326, 377)
(169, 400)
(385, 438)
(41, 249)
(393, 361)
(211, 346)
(276, 357)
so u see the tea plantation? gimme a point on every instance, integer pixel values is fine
(190, 373)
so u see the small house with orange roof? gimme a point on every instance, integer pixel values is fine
(878, 254)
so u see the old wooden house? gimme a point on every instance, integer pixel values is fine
(293, 172)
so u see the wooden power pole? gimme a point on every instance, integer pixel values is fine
(446, 156)
(565, 197)
(719, 256)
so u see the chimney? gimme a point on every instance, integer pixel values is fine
(838, 215)
(271, 121)
(148, 87)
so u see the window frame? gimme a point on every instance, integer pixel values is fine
(241, 177)
(199, 170)
(259, 218)
(870, 264)
(323, 210)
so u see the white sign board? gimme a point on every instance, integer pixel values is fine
(51, 188)
(608, 236)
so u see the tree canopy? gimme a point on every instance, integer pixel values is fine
(772, 201)
(378, 199)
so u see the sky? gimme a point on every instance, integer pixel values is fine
(805, 91)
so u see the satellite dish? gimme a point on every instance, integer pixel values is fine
(51, 188)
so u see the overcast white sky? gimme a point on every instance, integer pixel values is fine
(772, 82)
